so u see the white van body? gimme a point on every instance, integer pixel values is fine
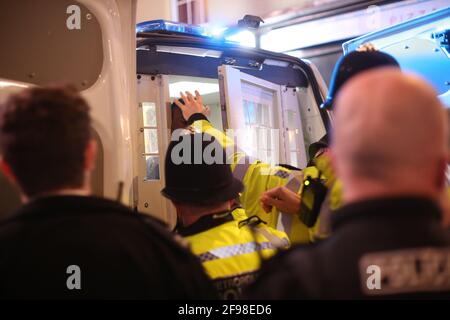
(420, 45)
(92, 44)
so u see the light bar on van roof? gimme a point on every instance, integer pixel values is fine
(240, 36)
(170, 26)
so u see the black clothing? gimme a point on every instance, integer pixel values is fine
(403, 236)
(197, 171)
(195, 117)
(352, 64)
(121, 254)
(205, 223)
(314, 147)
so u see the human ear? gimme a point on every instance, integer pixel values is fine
(90, 155)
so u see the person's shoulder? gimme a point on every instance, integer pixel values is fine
(294, 257)
(290, 274)
(239, 214)
(146, 224)
(98, 215)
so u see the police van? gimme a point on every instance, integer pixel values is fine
(130, 75)
(420, 45)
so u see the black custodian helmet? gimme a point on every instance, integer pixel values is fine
(197, 182)
(350, 65)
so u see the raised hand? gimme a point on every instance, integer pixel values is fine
(192, 104)
(281, 198)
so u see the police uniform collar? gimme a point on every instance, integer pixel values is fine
(205, 223)
(386, 208)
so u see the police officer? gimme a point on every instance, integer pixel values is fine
(320, 193)
(388, 240)
(257, 176)
(200, 184)
(280, 206)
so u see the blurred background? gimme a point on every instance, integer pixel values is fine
(309, 29)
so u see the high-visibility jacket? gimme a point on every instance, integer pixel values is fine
(259, 177)
(231, 246)
(333, 200)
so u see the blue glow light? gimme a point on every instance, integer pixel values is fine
(243, 37)
(169, 26)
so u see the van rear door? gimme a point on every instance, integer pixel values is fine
(420, 45)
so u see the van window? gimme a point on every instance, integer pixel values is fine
(207, 87)
(150, 130)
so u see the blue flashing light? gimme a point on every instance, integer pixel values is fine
(169, 26)
(238, 36)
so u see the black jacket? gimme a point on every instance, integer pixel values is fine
(401, 236)
(121, 254)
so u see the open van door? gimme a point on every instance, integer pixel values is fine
(152, 141)
(420, 45)
(270, 100)
(265, 117)
(97, 56)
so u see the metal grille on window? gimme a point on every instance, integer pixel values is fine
(258, 120)
(150, 133)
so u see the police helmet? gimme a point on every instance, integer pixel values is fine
(350, 65)
(192, 179)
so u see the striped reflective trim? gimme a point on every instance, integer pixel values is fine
(293, 184)
(282, 174)
(284, 222)
(240, 169)
(235, 250)
(276, 242)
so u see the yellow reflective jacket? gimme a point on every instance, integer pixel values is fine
(259, 177)
(230, 248)
(321, 228)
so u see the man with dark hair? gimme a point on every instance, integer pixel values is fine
(45, 141)
(63, 243)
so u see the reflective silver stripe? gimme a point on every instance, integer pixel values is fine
(284, 222)
(276, 241)
(282, 174)
(293, 184)
(242, 166)
(235, 250)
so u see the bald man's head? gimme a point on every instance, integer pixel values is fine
(390, 136)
